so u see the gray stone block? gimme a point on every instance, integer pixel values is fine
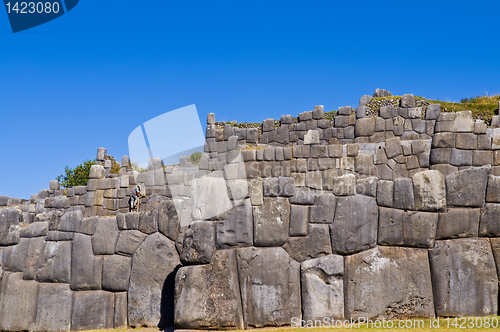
(483, 142)
(286, 186)
(355, 223)
(120, 315)
(488, 224)
(403, 194)
(8, 217)
(286, 119)
(323, 210)
(116, 273)
(315, 244)
(457, 223)
(393, 148)
(299, 218)
(35, 249)
(423, 160)
(364, 127)
(302, 197)
(269, 284)
(35, 229)
(480, 158)
(55, 304)
(467, 187)
(464, 278)
(14, 257)
(270, 187)
(344, 185)
(148, 222)
(92, 310)
(54, 264)
(153, 262)
(323, 288)
(429, 190)
(196, 242)
(70, 221)
(129, 241)
(271, 222)
(432, 111)
(367, 186)
(466, 141)
(385, 193)
(408, 100)
(87, 225)
(59, 236)
(237, 229)
(97, 172)
(209, 295)
(493, 189)
(463, 122)
(443, 140)
(105, 236)
(371, 294)
(86, 269)
(361, 112)
(18, 302)
(445, 169)
(388, 112)
(364, 100)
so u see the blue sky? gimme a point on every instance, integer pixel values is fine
(88, 78)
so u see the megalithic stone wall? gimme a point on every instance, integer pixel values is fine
(350, 217)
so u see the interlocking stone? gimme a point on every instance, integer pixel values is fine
(467, 187)
(92, 310)
(370, 293)
(429, 190)
(269, 284)
(105, 236)
(237, 229)
(456, 223)
(323, 288)
(54, 264)
(464, 278)
(54, 307)
(315, 244)
(209, 295)
(323, 210)
(196, 242)
(385, 193)
(86, 269)
(116, 272)
(18, 302)
(403, 194)
(271, 222)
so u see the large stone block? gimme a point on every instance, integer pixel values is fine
(271, 222)
(196, 242)
(18, 302)
(35, 250)
(148, 222)
(8, 217)
(385, 193)
(388, 112)
(237, 229)
(92, 310)
(323, 210)
(315, 244)
(14, 257)
(344, 185)
(116, 272)
(403, 194)
(463, 122)
(299, 220)
(388, 283)
(443, 140)
(168, 220)
(493, 189)
(36, 229)
(364, 127)
(70, 221)
(54, 264)
(105, 236)
(354, 227)
(467, 187)
(393, 148)
(55, 304)
(489, 224)
(120, 317)
(457, 223)
(464, 278)
(129, 241)
(429, 190)
(86, 269)
(208, 296)
(323, 288)
(269, 284)
(97, 172)
(153, 263)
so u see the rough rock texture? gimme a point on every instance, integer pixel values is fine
(129, 241)
(315, 244)
(388, 283)
(18, 302)
(429, 191)
(116, 272)
(86, 269)
(168, 221)
(105, 236)
(457, 223)
(153, 262)
(323, 210)
(354, 227)
(464, 278)
(8, 217)
(196, 242)
(237, 229)
(269, 283)
(467, 187)
(54, 264)
(271, 222)
(55, 304)
(489, 224)
(208, 296)
(92, 310)
(322, 281)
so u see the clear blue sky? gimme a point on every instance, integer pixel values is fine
(88, 78)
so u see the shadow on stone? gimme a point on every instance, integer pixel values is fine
(167, 302)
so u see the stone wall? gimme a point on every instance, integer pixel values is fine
(383, 217)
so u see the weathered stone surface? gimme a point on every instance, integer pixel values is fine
(54, 264)
(388, 112)
(312, 137)
(489, 224)
(196, 242)
(116, 272)
(429, 190)
(385, 193)
(129, 241)
(237, 229)
(105, 236)
(354, 227)
(286, 186)
(209, 198)
(390, 226)
(168, 221)
(92, 310)
(408, 100)
(367, 186)
(70, 221)
(463, 122)
(120, 315)
(35, 249)
(445, 169)
(344, 185)
(86, 269)
(303, 197)
(323, 210)
(270, 187)
(18, 302)
(467, 187)
(35, 229)
(59, 236)
(443, 140)
(8, 217)
(403, 194)
(315, 244)
(493, 189)
(271, 222)
(393, 148)
(464, 278)
(153, 262)
(269, 284)
(14, 257)
(388, 283)
(461, 157)
(148, 222)
(299, 219)
(457, 223)
(432, 112)
(55, 304)
(364, 127)
(132, 220)
(208, 296)
(323, 288)
(97, 172)
(87, 225)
